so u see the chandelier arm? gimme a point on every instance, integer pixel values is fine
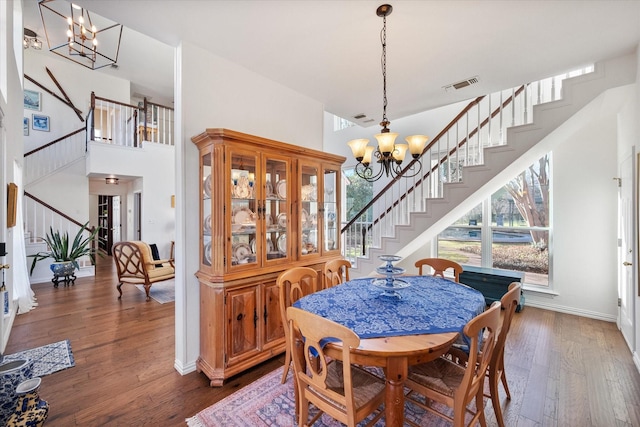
(412, 170)
(366, 172)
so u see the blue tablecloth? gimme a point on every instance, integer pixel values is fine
(429, 305)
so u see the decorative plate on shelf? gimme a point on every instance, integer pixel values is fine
(207, 186)
(309, 193)
(304, 218)
(269, 189)
(282, 243)
(243, 216)
(268, 219)
(282, 220)
(269, 245)
(207, 253)
(241, 191)
(207, 224)
(281, 189)
(241, 251)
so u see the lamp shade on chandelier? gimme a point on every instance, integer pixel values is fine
(388, 153)
(79, 35)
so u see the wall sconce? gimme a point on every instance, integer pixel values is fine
(173, 201)
(111, 181)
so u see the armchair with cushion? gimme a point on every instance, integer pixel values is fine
(136, 265)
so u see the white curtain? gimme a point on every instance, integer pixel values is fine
(21, 287)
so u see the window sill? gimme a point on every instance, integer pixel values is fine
(539, 290)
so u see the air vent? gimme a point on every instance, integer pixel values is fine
(462, 84)
(359, 116)
(369, 121)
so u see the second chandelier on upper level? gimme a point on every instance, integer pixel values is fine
(80, 36)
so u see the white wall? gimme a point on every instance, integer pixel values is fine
(635, 132)
(213, 92)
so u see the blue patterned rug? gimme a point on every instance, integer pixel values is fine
(267, 402)
(47, 359)
(162, 292)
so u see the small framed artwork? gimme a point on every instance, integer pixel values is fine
(32, 100)
(25, 126)
(39, 122)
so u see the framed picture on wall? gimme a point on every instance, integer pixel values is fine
(25, 126)
(39, 122)
(32, 100)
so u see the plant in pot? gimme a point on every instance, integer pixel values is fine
(64, 253)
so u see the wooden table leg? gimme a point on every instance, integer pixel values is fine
(397, 368)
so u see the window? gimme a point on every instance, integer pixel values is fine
(339, 123)
(359, 193)
(509, 230)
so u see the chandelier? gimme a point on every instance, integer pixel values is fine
(30, 40)
(388, 154)
(80, 36)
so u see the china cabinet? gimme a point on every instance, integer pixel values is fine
(265, 206)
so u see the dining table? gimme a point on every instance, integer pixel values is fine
(419, 323)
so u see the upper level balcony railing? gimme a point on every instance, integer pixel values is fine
(127, 125)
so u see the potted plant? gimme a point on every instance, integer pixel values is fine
(65, 255)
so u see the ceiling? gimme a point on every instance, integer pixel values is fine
(330, 50)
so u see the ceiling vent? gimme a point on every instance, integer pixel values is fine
(462, 84)
(359, 116)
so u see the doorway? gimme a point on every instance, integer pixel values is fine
(109, 222)
(137, 216)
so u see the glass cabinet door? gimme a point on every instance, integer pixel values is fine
(206, 171)
(276, 210)
(309, 210)
(244, 215)
(331, 217)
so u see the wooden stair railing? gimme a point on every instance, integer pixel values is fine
(440, 162)
(452, 159)
(49, 144)
(63, 215)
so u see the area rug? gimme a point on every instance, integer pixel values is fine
(162, 292)
(47, 359)
(267, 402)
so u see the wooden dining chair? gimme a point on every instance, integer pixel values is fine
(293, 284)
(495, 372)
(337, 388)
(447, 382)
(336, 272)
(439, 266)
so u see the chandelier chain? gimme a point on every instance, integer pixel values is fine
(383, 39)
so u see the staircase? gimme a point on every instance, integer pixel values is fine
(414, 211)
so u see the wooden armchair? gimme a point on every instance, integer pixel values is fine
(135, 265)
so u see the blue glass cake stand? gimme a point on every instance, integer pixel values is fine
(390, 284)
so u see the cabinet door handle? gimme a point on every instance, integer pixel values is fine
(240, 316)
(627, 264)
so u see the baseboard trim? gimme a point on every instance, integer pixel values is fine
(571, 310)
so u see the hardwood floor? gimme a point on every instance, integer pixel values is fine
(563, 370)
